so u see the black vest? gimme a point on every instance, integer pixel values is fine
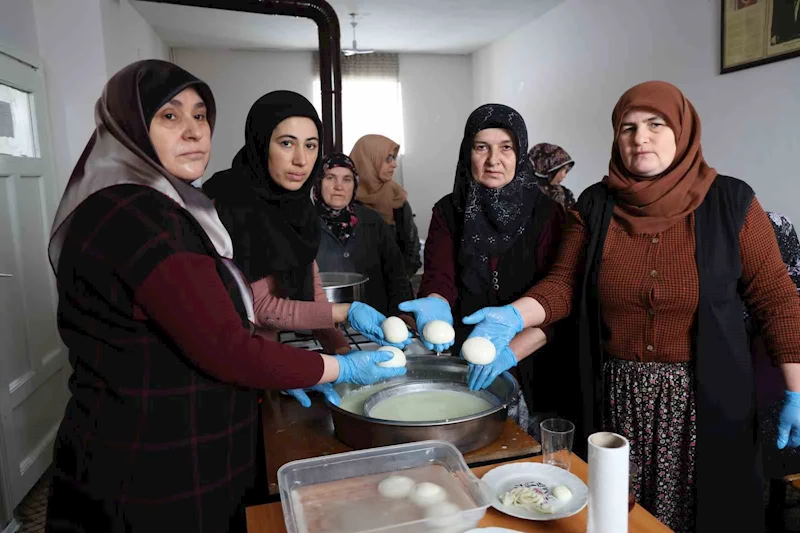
(727, 449)
(518, 269)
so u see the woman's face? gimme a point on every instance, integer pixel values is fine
(181, 135)
(388, 165)
(494, 161)
(337, 187)
(560, 175)
(646, 144)
(293, 150)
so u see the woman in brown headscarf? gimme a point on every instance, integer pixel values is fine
(659, 257)
(160, 431)
(375, 157)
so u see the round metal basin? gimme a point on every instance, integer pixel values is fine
(343, 287)
(466, 433)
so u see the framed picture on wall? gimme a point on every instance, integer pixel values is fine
(756, 32)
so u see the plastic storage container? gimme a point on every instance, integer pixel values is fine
(339, 493)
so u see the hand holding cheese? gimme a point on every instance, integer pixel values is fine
(426, 310)
(395, 330)
(398, 357)
(478, 351)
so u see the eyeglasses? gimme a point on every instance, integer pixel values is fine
(391, 158)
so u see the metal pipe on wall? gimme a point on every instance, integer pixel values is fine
(330, 71)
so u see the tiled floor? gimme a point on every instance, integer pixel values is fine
(31, 512)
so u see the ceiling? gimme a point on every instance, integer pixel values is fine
(432, 26)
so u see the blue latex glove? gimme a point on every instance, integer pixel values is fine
(368, 321)
(498, 324)
(325, 388)
(425, 310)
(481, 376)
(789, 421)
(362, 368)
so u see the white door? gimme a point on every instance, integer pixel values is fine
(33, 364)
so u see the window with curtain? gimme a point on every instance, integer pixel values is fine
(371, 97)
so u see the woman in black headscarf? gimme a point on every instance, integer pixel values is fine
(264, 201)
(159, 433)
(489, 241)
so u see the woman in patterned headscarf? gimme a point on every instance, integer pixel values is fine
(550, 165)
(355, 238)
(489, 240)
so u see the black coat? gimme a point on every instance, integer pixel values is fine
(407, 238)
(370, 250)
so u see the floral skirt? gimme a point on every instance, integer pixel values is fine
(653, 406)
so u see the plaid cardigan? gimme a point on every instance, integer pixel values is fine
(160, 431)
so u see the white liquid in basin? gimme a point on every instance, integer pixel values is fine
(428, 406)
(354, 401)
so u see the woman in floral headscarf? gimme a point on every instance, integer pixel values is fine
(550, 165)
(354, 237)
(490, 240)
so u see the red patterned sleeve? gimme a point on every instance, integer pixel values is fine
(769, 292)
(554, 292)
(186, 298)
(439, 275)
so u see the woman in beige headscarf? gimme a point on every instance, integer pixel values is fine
(375, 157)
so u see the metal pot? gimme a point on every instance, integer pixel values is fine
(466, 433)
(343, 287)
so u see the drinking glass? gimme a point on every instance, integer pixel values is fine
(557, 436)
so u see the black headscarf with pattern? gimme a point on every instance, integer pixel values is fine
(340, 221)
(493, 218)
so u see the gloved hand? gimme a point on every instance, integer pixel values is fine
(789, 421)
(362, 368)
(425, 310)
(325, 388)
(367, 321)
(481, 376)
(498, 324)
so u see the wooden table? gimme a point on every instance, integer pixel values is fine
(293, 432)
(269, 518)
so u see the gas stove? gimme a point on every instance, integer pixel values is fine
(306, 341)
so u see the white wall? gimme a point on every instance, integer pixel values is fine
(128, 37)
(437, 99)
(71, 47)
(18, 27)
(433, 113)
(238, 79)
(82, 43)
(565, 71)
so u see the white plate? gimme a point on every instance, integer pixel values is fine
(506, 477)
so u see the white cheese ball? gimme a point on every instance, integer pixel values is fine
(438, 332)
(478, 351)
(562, 492)
(394, 329)
(398, 357)
(443, 515)
(427, 494)
(395, 487)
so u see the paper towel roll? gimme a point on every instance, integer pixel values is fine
(608, 483)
